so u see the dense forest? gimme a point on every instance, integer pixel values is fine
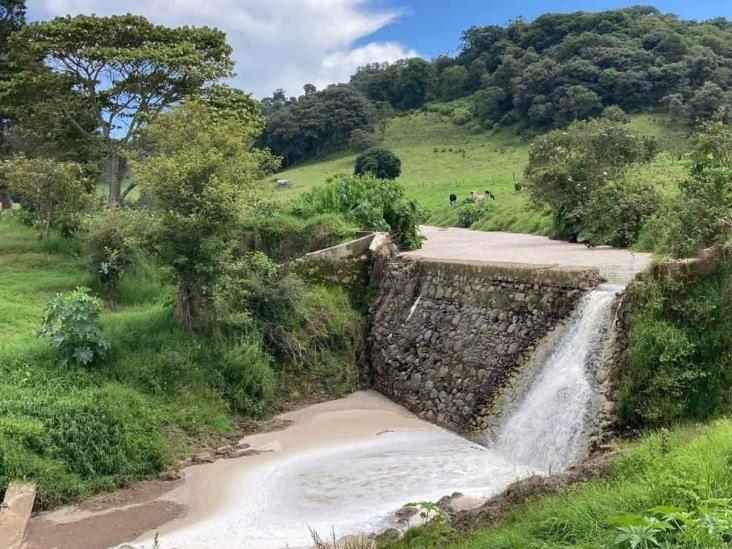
(537, 75)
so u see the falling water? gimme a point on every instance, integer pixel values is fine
(547, 428)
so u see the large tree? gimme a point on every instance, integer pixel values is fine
(122, 71)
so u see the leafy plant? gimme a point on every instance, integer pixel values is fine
(381, 163)
(372, 203)
(112, 241)
(71, 325)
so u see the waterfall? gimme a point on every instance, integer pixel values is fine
(547, 428)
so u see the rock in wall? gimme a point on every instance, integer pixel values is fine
(445, 337)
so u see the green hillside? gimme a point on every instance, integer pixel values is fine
(440, 157)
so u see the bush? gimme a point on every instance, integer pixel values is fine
(373, 204)
(111, 242)
(567, 167)
(700, 215)
(54, 194)
(71, 325)
(615, 214)
(381, 163)
(470, 213)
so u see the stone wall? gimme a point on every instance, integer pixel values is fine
(444, 338)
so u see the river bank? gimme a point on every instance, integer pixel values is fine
(346, 465)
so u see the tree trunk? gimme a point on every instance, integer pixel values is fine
(6, 203)
(113, 177)
(187, 307)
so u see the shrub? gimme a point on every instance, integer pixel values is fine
(566, 167)
(71, 325)
(615, 213)
(251, 293)
(112, 243)
(381, 163)
(470, 213)
(700, 215)
(53, 193)
(371, 203)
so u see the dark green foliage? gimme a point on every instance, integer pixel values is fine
(315, 124)
(679, 360)
(470, 212)
(616, 213)
(71, 326)
(562, 67)
(381, 163)
(405, 84)
(567, 168)
(372, 204)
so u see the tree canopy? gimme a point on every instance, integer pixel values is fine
(120, 71)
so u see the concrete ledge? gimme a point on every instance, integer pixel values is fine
(351, 248)
(15, 512)
(546, 275)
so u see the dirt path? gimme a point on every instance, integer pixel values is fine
(617, 266)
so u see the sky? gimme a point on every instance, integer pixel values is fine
(287, 43)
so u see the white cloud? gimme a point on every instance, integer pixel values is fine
(277, 43)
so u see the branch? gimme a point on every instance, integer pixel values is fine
(127, 191)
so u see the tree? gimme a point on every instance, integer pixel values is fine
(452, 83)
(566, 168)
(321, 122)
(198, 177)
(381, 163)
(124, 71)
(309, 89)
(53, 193)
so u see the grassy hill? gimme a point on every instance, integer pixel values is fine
(439, 157)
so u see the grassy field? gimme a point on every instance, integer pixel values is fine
(439, 158)
(687, 468)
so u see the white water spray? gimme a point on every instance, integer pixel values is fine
(547, 428)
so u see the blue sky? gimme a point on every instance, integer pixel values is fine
(433, 27)
(287, 43)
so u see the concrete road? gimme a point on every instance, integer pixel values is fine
(616, 265)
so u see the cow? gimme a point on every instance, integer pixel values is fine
(453, 199)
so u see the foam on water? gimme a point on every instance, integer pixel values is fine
(348, 489)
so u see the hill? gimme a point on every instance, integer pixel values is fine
(440, 157)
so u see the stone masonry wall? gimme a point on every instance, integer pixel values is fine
(445, 337)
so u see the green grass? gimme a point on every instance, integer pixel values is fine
(439, 158)
(159, 394)
(679, 468)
